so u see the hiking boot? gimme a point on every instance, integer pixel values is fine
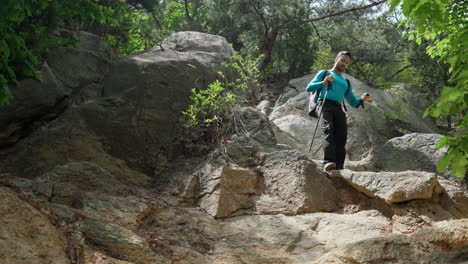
(329, 167)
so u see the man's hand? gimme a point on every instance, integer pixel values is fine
(365, 97)
(328, 79)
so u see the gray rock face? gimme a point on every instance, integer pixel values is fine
(70, 75)
(410, 152)
(296, 184)
(197, 42)
(393, 187)
(134, 117)
(148, 91)
(368, 128)
(258, 128)
(81, 65)
(34, 103)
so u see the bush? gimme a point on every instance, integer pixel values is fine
(209, 116)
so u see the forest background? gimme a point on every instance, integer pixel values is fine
(412, 41)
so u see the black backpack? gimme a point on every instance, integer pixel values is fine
(315, 95)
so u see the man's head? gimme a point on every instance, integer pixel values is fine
(342, 61)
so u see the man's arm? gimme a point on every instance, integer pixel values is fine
(316, 83)
(351, 98)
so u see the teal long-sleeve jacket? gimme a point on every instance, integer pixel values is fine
(337, 92)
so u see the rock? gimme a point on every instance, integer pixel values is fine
(34, 104)
(121, 243)
(26, 234)
(65, 181)
(258, 129)
(393, 187)
(135, 121)
(82, 65)
(96, 257)
(410, 152)
(264, 106)
(230, 193)
(241, 150)
(295, 105)
(296, 131)
(298, 239)
(147, 92)
(410, 223)
(297, 183)
(87, 94)
(191, 41)
(83, 188)
(60, 142)
(445, 242)
(288, 93)
(335, 229)
(456, 198)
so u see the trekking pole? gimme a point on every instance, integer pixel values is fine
(360, 104)
(319, 116)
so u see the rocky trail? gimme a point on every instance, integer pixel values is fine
(90, 174)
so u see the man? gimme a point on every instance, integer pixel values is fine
(333, 120)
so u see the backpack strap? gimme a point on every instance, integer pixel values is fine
(325, 73)
(347, 90)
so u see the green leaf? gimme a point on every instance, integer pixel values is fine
(443, 163)
(459, 165)
(442, 142)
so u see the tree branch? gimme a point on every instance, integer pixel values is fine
(345, 11)
(396, 73)
(262, 17)
(187, 13)
(316, 31)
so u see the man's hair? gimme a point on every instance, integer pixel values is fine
(347, 53)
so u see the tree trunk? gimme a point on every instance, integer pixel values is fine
(187, 13)
(196, 4)
(267, 50)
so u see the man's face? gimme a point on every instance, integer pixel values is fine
(342, 63)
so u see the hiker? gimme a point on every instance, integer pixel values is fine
(333, 118)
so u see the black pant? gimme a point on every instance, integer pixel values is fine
(334, 133)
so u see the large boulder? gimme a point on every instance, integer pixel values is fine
(60, 142)
(393, 187)
(134, 118)
(146, 93)
(293, 185)
(34, 104)
(255, 125)
(83, 64)
(413, 151)
(368, 128)
(70, 75)
(231, 194)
